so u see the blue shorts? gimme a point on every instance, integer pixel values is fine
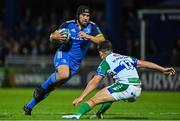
(62, 58)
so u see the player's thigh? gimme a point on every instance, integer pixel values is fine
(63, 72)
(124, 92)
(102, 96)
(61, 63)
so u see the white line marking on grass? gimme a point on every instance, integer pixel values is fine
(170, 113)
(65, 113)
(10, 113)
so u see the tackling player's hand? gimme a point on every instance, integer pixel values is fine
(58, 36)
(77, 101)
(169, 71)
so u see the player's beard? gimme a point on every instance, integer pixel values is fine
(84, 22)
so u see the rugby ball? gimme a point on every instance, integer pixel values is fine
(66, 33)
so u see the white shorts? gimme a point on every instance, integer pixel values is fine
(126, 92)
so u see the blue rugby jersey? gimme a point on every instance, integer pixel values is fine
(77, 46)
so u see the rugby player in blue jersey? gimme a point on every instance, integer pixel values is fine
(69, 56)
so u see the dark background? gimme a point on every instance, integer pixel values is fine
(25, 26)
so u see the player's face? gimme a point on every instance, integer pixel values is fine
(84, 18)
(102, 54)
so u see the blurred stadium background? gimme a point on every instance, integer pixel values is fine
(146, 29)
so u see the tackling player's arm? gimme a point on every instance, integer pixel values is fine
(93, 83)
(151, 65)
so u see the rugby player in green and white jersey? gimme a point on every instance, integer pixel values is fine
(127, 85)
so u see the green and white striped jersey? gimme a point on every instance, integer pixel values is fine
(121, 68)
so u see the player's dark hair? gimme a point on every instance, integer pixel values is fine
(82, 9)
(104, 46)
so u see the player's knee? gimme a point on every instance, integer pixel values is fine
(97, 100)
(93, 101)
(62, 76)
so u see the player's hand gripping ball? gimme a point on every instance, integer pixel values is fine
(66, 33)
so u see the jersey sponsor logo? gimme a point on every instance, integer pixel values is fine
(78, 38)
(118, 58)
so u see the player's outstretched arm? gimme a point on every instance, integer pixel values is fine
(93, 83)
(151, 65)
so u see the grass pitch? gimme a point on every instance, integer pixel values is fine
(150, 106)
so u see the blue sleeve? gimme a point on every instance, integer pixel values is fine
(63, 25)
(95, 30)
(134, 61)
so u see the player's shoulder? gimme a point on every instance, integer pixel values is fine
(93, 23)
(113, 55)
(66, 23)
(70, 21)
(103, 62)
(109, 57)
(131, 58)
